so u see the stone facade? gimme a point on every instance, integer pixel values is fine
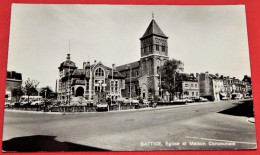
(154, 52)
(13, 80)
(88, 82)
(215, 87)
(190, 89)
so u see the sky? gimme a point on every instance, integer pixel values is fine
(205, 38)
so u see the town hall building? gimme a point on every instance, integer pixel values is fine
(93, 80)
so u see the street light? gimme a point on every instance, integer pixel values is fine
(100, 87)
(174, 84)
(160, 88)
(113, 65)
(130, 81)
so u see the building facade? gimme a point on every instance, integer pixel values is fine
(190, 89)
(93, 80)
(210, 86)
(215, 87)
(13, 80)
(143, 74)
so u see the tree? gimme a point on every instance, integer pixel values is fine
(17, 92)
(30, 87)
(171, 77)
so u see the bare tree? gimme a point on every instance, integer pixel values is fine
(29, 87)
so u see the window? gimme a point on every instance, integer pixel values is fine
(192, 93)
(116, 86)
(87, 85)
(97, 85)
(186, 85)
(112, 87)
(196, 85)
(197, 93)
(137, 73)
(99, 72)
(192, 85)
(163, 47)
(150, 47)
(157, 47)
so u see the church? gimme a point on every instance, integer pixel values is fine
(142, 76)
(136, 79)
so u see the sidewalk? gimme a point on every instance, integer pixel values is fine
(114, 111)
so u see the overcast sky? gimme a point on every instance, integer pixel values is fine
(205, 38)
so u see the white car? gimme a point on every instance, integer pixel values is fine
(203, 99)
(35, 103)
(134, 101)
(102, 106)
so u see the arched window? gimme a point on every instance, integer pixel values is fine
(99, 72)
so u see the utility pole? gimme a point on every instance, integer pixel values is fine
(130, 82)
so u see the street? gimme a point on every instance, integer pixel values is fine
(211, 125)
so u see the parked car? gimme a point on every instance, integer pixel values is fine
(134, 101)
(246, 97)
(37, 103)
(202, 99)
(102, 106)
(184, 100)
(225, 98)
(145, 101)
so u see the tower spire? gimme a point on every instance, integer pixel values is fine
(152, 15)
(69, 46)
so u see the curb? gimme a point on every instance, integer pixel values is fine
(128, 110)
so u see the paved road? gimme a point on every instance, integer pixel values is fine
(213, 125)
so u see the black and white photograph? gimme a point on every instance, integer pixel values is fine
(128, 78)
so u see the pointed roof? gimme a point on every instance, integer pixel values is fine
(153, 29)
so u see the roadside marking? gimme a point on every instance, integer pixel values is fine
(220, 140)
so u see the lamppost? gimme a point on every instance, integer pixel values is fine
(174, 88)
(45, 93)
(160, 87)
(130, 82)
(112, 90)
(100, 87)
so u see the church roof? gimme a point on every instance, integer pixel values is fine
(133, 65)
(78, 72)
(153, 29)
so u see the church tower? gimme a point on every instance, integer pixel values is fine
(154, 52)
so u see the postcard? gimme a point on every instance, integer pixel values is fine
(128, 78)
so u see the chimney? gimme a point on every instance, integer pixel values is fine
(88, 64)
(217, 75)
(68, 57)
(114, 67)
(84, 65)
(95, 61)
